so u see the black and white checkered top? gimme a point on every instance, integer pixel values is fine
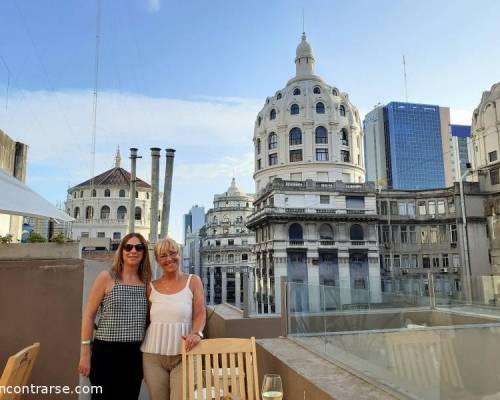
(122, 314)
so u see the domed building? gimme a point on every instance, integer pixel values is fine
(314, 218)
(227, 246)
(308, 130)
(101, 207)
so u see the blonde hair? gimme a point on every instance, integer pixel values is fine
(144, 271)
(165, 246)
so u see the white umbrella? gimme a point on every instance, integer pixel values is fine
(18, 199)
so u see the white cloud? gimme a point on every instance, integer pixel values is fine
(154, 5)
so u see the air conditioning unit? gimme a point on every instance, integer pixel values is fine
(444, 270)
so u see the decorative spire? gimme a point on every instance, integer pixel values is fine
(304, 58)
(118, 158)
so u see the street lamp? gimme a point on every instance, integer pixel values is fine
(465, 238)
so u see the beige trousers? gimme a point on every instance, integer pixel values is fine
(163, 376)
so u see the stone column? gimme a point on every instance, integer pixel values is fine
(237, 288)
(224, 285)
(344, 277)
(279, 271)
(313, 280)
(251, 289)
(374, 277)
(212, 286)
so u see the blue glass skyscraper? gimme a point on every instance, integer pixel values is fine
(413, 146)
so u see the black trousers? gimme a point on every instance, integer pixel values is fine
(117, 368)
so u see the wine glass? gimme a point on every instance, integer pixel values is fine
(272, 388)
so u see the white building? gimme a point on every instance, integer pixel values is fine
(315, 219)
(227, 246)
(101, 207)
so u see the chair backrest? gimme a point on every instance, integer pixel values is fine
(18, 370)
(219, 368)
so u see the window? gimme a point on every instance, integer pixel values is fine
(316, 90)
(413, 234)
(395, 234)
(217, 242)
(494, 176)
(101, 234)
(259, 164)
(94, 193)
(89, 212)
(81, 195)
(405, 261)
(325, 232)
(344, 155)
(356, 232)
(394, 207)
(244, 257)
(278, 96)
(433, 234)
(320, 108)
(272, 141)
(324, 199)
(295, 137)
(272, 114)
(321, 154)
(411, 209)
(451, 205)
(105, 211)
(453, 233)
(217, 258)
(121, 213)
(138, 213)
(295, 155)
(441, 208)
(74, 195)
(294, 109)
(426, 261)
(422, 209)
(335, 92)
(76, 213)
(117, 235)
(383, 207)
(136, 194)
(404, 234)
(230, 242)
(257, 145)
(321, 135)
(295, 232)
(296, 91)
(344, 137)
(121, 193)
(396, 262)
(424, 235)
(147, 195)
(385, 237)
(445, 260)
(107, 193)
(355, 202)
(413, 261)
(84, 235)
(492, 156)
(342, 111)
(442, 234)
(432, 208)
(230, 258)
(273, 159)
(402, 208)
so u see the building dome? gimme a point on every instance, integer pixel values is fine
(308, 130)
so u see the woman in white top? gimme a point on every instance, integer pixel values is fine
(177, 311)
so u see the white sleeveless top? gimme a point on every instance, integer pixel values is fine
(171, 318)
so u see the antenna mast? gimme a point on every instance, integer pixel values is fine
(303, 22)
(94, 109)
(406, 83)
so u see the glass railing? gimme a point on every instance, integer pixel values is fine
(423, 338)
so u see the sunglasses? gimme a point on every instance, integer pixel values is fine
(138, 247)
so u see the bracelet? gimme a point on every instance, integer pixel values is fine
(86, 342)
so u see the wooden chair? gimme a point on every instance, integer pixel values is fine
(18, 370)
(207, 367)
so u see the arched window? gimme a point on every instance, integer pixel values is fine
(316, 90)
(278, 96)
(295, 232)
(244, 257)
(225, 219)
(325, 232)
(342, 111)
(81, 193)
(89, 212)
(259, 120)
(273, 141)
(105, 212)
(121, 213)
(136, 194)
(258, 146)
(121, 193)
(320, 108)
(94, 193)
(294, 109)
(138, 213)
(272, 114)
(321, 135)
(295, 136)
(296, 91)
(107, 193)
(356, 232)
(230, 258)
(74, 195)
(217, 258)
(76, 213)
(344, 137)
(147, 195)
(335, 92)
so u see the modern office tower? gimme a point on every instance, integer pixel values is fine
(406, 144)
(227, 247)
(194, 220)
(314, 218)
(460, 150)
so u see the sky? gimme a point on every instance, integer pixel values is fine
(193, 75)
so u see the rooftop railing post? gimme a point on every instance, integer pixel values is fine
(246, 296)
(284, 306)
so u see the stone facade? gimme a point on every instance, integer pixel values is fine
(227, 247)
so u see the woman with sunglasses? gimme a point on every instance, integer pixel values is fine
(177, 312)
(113, 360)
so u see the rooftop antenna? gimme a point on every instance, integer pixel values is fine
(406, 82)
(94, 108)
(303, 22)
